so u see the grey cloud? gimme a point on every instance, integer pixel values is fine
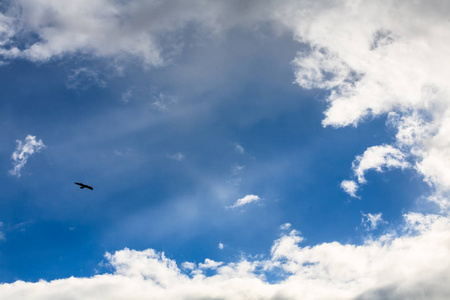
(115, 28)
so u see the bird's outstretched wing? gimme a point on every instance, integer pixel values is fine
(82, 186)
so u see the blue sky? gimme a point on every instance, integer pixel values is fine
(218, 138)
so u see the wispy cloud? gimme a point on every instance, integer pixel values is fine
(245, 200)
(372, 221)
(124, 152)
(286, 226)
(236, 169)
(162, 101)
(239, 148)
(127, 96)
(2, 234)
(23, 151)
(84, 78)
(176, 156)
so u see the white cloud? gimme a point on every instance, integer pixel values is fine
(220, 246)
(371, 221)
(368, 80)
(127, 96)
(2, 235)
(387, 267)
(245, 200)
(374, 60)
(374, 158)
(320, 69)
(23, 151)
(239, 148)
(237, 168)
(377, 158)
(350, 187)
(375, 57)
(210, 264)
(162, 101)
(286, 226)
(177, 156)
(188, 265)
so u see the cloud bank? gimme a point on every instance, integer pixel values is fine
(385, 268)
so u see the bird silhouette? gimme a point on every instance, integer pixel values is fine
(82, 186)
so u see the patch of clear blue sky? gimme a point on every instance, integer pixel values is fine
(238, 89)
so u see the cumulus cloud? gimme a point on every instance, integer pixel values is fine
(210, 264)
(23, 151)
(188, 265)
(245, 200)
(373, 60)
(350, 187)
(372, 221)
(377, 158)
(386, 267)
(374, 158)
(220, 246)
(366, 79)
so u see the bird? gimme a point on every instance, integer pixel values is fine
(82, 186)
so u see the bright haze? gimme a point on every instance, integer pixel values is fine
(237, 149)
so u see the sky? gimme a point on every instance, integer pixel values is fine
(237, 149)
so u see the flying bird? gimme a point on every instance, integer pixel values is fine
(82, 186)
